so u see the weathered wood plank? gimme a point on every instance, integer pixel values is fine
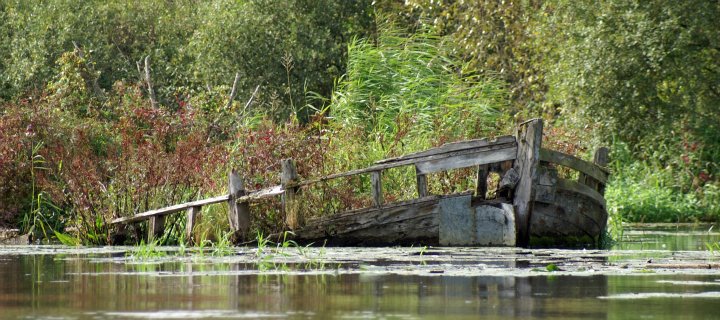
(529, 139)
(254, 195)
(572, 162)
(467, 160)
(168, 210)
(547, 184)
(422, 187)
(601, 159)
(569, 185)
(401, 163)
(408, 222)
(290, 204)
(156, 228)
(376, 185)
(238, 212)
(450, 147)
(262, 193)
(193, 216)
(481, 181)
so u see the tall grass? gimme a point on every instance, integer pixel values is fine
(653, 191)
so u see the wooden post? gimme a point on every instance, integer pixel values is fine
(238, 213)
(289, 198)
(481, 180)
(156, 227)
(421, 183)
(376, 185)
(529, 141)
(601, 158)
(193, 215)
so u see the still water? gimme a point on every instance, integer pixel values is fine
(357, 283)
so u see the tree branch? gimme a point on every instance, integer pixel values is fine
(233, 92)
(151, 92)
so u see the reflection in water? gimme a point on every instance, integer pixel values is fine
(102, 286)
(673, 237)
(45, 285)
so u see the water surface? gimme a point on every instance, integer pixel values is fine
(365, 283)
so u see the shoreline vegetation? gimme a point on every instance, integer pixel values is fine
(109, 109)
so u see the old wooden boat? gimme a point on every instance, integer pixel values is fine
(534, 204)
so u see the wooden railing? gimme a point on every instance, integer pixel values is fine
(592, 177)
(473, 153)
(528, 176)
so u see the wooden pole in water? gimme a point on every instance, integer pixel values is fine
(289, 198)
(156, 227)
(529, 141)
(193, 215)
(238, 213)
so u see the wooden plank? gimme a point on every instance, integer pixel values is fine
(262, 193)
(254, 195)
(156, 228)
(193, 216)
(289, 202)
(450, 147)
(481, 181)
(407, 222)
(572, 162)
(168, 210)
(601, 159)
(376, 185)
(467, 160)
(421, 179)
(529, 139)
(404, 163)
(547, 184)
(238, 212)
(569, 185)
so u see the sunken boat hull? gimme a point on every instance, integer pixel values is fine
(533, 205)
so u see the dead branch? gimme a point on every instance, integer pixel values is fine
(151, 91)
(233, 92)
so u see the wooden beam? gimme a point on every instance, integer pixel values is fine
(529, 139)
(467, 160)
(254, 195)
(289, 199)
(481, 181)
(193, 216)
(156, 228)
(601, 159)
(569, 185)
(238, 212)
(452, 147)
(376, 185)
(422, 187)
(401, 163)
(168, 210)
(575, 163)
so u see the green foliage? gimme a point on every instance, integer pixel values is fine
(401, 74)
(640, 67)
(117, 33)
(493, 38)
(146, 251)
(287, 47)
